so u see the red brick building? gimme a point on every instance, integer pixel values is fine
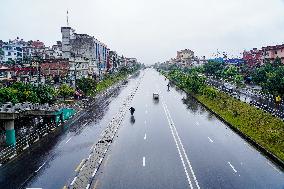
(253, 57)
(55, 67)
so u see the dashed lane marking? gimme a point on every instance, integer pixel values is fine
(210, 140)
(40, 167)
(145, 136)
(68, 140)
(232, 167)
(143, 162)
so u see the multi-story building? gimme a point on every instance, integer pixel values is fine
(272, 52)
(13, 50)
(55, 52)
(185, 57)
(259, 57)
(54, 68)
(253, 57)
(84, 47)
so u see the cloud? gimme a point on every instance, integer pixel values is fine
(151, 30)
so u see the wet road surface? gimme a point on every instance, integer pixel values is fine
(52, 163)
(170, 143)
(176, 143)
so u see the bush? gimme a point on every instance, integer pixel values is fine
(65, 91)
(87, 85)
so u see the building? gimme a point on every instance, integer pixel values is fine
(13, 51)
(253, 57)
(185, 57)
(272, 52)
(55, 68)
(260, 56)
(5, 73)
(113, 61)
(55, 52)
(84, 47)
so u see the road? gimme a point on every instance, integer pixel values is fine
(52, 163)
(172, 143)
(176, 143)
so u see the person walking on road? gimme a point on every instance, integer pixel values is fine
(132, 110)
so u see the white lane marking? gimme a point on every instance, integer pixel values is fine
(232, 167)
(197, 123)
(180, 155)
(210, 139)
(145, 122)
(146, 112)
(145, 136)
(249, 146)
(186, 157)
(143, 161)
(40, 167)
(68, 140)
(73, 181)
(273, 167)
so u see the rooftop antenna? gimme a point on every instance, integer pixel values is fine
(67, 19)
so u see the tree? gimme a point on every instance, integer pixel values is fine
(65, 91)
(87, 85)
(8, 94)
(238, 79)
(214, 68)
(46, 94)
(230, 72)
(277, 62)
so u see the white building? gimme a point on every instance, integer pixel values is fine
(12, 51)
(185, 57)
(85, 47)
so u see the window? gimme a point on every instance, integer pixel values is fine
(275, 52)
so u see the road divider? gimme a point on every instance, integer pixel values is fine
(86, 174)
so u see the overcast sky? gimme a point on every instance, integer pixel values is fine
(151, 30)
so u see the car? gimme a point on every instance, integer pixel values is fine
(155, 96)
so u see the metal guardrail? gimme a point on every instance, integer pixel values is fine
(275, 112)
(24, 143)
(8, 107)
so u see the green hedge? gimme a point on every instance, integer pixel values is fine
(262, 127)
